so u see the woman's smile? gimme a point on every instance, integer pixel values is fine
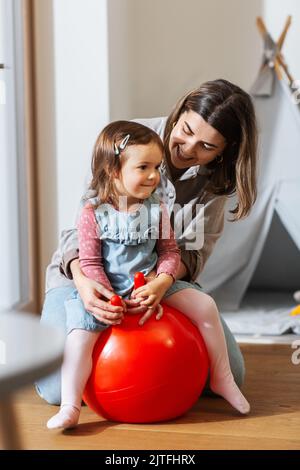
(180, 155)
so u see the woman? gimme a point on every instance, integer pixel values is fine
(210, 144)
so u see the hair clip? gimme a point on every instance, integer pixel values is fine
(122, 145)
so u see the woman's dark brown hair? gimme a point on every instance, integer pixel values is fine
(230, 110)
(105, 164)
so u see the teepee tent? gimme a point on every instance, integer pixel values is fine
(246, 253)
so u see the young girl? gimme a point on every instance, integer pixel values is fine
(124, 229)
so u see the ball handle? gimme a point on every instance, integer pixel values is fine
(139, 280)
(116, 301)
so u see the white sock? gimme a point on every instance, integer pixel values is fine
(66, 418)
(76, 369)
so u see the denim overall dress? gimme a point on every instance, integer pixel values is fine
(128, 245)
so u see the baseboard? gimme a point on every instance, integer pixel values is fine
(257, 339)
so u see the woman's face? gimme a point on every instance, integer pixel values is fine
(194, 142)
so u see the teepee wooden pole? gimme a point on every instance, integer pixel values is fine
(285, 68)
(284, 33)
(280, 43)
(279, 62)
(277, 69)
(261, 26)
(263, 32)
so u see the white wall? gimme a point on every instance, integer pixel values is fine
(72, 107)
(175, 45)
(121, 66)
(161, 49)
(81, 99)
(275, 14)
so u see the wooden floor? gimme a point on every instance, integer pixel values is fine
(272, 387)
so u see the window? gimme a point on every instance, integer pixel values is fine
(16, 257)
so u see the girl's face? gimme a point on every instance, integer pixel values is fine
(194, 142)
(139, 175)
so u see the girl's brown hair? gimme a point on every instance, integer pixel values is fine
(230, 110)
(105, 164)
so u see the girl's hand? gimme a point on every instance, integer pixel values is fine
(133, 305)
(151, 294)
(90, 292)
(150, 277)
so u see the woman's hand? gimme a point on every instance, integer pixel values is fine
(90, 292)
(151, 294)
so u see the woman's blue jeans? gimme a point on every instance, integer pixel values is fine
(53, 314)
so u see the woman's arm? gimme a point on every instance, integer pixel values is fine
(69, 251)
(194, 260)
